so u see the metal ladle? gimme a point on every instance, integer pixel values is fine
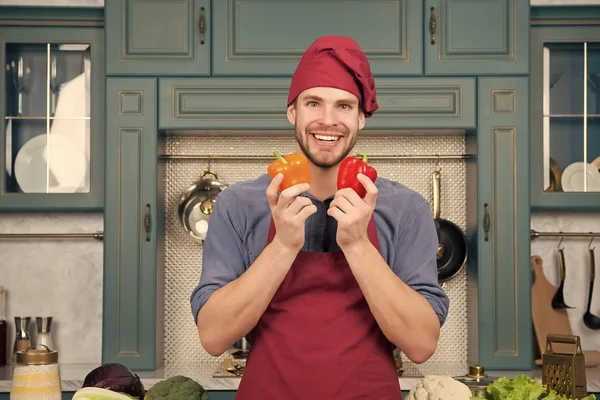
(590, 320)
(558, 301)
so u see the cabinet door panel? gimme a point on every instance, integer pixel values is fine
(476, 37)
(158, 37)
(265, 37)
(259, 103)
(504, 281)
(130, 282)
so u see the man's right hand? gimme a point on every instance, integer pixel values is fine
(289, 212)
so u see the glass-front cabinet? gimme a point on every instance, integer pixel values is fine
(52, 107)
(565, 104)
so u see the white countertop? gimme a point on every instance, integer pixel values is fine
(72, 376)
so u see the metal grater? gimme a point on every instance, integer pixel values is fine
(564, 371)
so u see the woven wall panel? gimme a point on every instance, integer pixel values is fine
(183, 257)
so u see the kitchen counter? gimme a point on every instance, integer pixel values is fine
(72, 376)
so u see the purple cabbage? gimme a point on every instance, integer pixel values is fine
(117, 378)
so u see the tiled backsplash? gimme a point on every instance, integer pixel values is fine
(184, 257)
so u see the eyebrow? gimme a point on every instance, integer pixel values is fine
(340, 101)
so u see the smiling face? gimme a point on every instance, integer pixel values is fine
(327, 122)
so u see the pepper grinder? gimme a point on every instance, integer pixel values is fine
(22, 340)
(44, 339)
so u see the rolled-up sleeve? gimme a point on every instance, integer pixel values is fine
(416, 261)
(222, 259)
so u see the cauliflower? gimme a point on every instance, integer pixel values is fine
(434, 387)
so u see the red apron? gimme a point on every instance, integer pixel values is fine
(317, 339)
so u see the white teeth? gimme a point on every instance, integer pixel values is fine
(327, 138)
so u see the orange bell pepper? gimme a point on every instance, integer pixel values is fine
(294, 168)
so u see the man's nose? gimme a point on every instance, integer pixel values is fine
(328, 117)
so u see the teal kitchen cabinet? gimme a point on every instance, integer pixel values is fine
(158, 37)
(565, 116)
(260, 103)
(133, 218)
(499, 264)
(52, 107)
(475, 37)
(267, 38)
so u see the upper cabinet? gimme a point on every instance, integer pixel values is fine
(51, 138)
(565, 117)
(263, 37)
(267, 38)
(158, 37)
(475, 37)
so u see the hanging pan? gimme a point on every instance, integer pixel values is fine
(196, 205)
(452, 247)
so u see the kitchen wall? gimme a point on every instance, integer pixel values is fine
(577, 262)
(59, 278)
(184, 256)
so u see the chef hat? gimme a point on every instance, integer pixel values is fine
(338, 62)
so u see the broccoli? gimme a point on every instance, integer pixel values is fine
(177, 388)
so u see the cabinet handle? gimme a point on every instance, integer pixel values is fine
(202, 25)
(147, 222)
(432, 25)
(486, 222)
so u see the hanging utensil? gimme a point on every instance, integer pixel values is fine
(452, 243)
(196, 205)
(590, 320)
(558, 301)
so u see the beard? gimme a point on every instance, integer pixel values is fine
(351, 141)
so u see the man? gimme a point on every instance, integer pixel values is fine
(322, 282)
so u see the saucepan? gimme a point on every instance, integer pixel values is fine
(196, 205)
(452, 242)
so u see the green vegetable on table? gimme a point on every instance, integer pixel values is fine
(523, 387)
(177, 388)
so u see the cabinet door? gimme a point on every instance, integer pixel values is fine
(131, 225)
(565, 117)
(503, 281)
(475, 37)
(158, 37)
(52, 107)
(260, 104)
(265, 37)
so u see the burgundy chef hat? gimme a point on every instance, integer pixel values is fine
(338, 62)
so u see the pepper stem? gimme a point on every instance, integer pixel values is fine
(363, 156)
(278, 155)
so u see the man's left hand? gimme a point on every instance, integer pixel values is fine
(353, 213)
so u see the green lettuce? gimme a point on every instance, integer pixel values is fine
(524, 387)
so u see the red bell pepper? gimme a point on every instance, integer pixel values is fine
(350, 168)
(294, 168)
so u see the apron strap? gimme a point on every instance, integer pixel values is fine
(371, 231)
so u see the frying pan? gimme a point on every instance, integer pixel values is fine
(452, 249)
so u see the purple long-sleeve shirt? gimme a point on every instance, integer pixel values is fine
(239, 225)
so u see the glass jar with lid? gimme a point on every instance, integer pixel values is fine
(36, 375)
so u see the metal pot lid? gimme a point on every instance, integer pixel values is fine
(476, 377)
(196, 205)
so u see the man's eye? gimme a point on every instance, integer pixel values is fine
(312, 103)
(345, 106)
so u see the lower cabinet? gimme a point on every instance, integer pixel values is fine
(132, 331)
(499, 268)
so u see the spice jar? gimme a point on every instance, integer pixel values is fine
(477, 381)
(36, 375)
